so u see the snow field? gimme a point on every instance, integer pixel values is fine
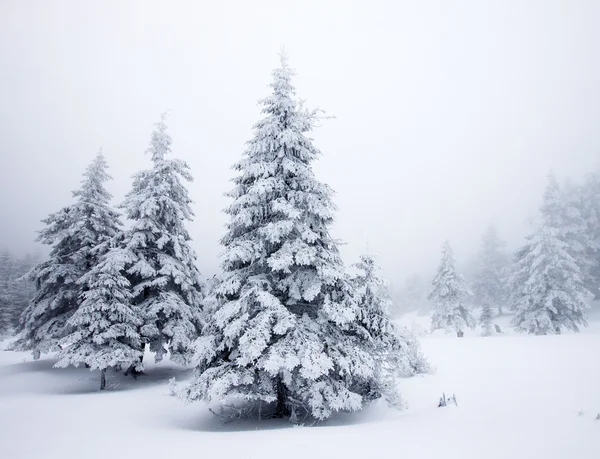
(519, 397)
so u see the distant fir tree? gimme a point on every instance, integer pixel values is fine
(548, 292)
(588, 201)
(397, 351)
(165, 281)
(6, 293)
(560, 210)
(74, 233)
(15, 291)
(5, 314)
(415, 295)
(448, 296)
(491, 272)
(284, 336)
(22, 287)
(106, 325)
(486, 320)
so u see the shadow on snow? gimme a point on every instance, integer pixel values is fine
(80, 380)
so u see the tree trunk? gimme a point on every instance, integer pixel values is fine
(134, 372)
(500, 312)
(460, 333)
(281, 410)
(103, 379)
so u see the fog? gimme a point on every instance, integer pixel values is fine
(448, 115)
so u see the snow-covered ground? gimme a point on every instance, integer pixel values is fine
(519, 397)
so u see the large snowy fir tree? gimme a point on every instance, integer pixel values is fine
(284, 336)
(491, 272)
(548, 292)
(161, 265)
(450, 312)
(74, 232)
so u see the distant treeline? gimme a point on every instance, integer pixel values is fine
(16, 289)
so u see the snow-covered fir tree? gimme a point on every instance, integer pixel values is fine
(547, 288)
(165, 281)
(5, 314)
(15, 292)
(414, 295)
(588, 201)
(448, 296)
(396, 348)
(22, 288)
(6, 293)
(106, 325)
(284, 336)
(485, 320)
(74, 233)
(491, 272)
(559, 210)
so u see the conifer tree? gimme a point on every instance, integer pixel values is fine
(397, 351)
(283, 335)
(448, 296)
(547, 288)
(490, 277)
(415, 295)
(22, 288)
(6, 293)
(165, 281)
(588, 200)
(559, 210)
(486, 320)
(106, 325)
(74, 233)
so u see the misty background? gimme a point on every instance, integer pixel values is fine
(448, 115)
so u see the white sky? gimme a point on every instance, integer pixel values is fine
(449, 114)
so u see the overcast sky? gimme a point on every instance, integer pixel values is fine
(449, 114)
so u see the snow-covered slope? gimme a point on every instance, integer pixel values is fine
(519, 397)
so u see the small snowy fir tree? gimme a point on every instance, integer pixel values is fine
(547, 289)
(165, 281)
(74, 233)
(448, 297)
(106, 324)
(282, 335)
(490, 277)
(397, 351)
(486, 320)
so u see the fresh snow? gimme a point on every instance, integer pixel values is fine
(519, 396)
